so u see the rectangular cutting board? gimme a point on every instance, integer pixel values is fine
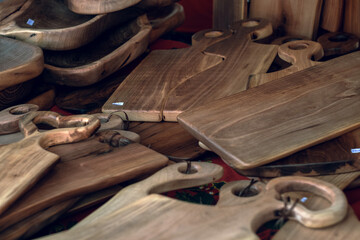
(281, 117)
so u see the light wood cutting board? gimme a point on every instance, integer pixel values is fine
(87, 166)
(292, 17)
(193, 76)
(281, 117)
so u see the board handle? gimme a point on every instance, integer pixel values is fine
(71, 128)
(9, 117)
(335, 213)
(253, 28)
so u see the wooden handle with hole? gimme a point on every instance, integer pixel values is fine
(169, 178)
(9, 117)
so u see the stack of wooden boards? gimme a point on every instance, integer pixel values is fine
(301, 120)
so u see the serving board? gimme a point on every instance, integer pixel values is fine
(352, 17)
(18, 173)
(105, 55)
(338, 43)
(285, 116)
(19, 62)
(97, 166)
(198, 220)
(291, 17)
(332, 15)
(51, 25)
(195, 75)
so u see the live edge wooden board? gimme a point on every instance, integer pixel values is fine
(217, 65)
(281, 117)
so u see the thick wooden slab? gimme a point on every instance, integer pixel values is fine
(193, 76)
(19, 62)
(293, 17)
(97, 167)
(332, 15)
(9, 118)
(8, 7)
(228, 12)
(51, 25)
(105, 55)
(285, 116)
(352, 17)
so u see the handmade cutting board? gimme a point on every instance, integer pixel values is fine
(332, 15)
(338, 43)
(195, 75)
(239, 216)
(352, 17)
(51, 25)
(19, 62)
(285, 116)
(227, 12)
(292, 17)
(100, 162)
(100, 58)
(20, 173)
(9, 118)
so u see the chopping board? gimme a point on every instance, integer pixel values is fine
(332, 15)
(100, 58)
(285, 116)
(19, 62)
(291, 17)
(96, 166)
(195, 75)
(352, 17)
(238, 216)
(49, 24)
(7, 7)
(338, 43)
(18, 173)
(228, 12)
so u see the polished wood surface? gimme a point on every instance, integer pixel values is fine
(352, 17)
(195, 75)
(19, 62)
(51, 25)
(285, 116)
(332, 15)
(98, 163)
(143, 209)
(9, 118)
(292, 17)
(228, 12)
(20, 173)
(338, 43)
(103, 56)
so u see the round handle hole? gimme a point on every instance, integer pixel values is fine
(339, 38)
(214, 34)
(20, 110)
(298, 46)
(250, 23)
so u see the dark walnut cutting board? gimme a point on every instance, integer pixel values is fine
(217, 65)
(87, 166)
(281, 117)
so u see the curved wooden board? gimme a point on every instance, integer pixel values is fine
(100, 58)
(19, 62)
(285, 116)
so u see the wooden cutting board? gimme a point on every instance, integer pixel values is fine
(285, 116)
(105, 55)
(332, 15)
(193, 76)
(228, 12)
(338, 43)
(293, 17)
(18, 173)
(51, 25)
(352, 17)
(98, 166)
(8, 7)
(19, 62)
(9, 118)
(198, 220)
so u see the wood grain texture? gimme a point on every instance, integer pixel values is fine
(332, 15)
(347, 229)
(19, 62)
(20, 173)
(9, 118)
(95, 167)
(165, 213)
(228, 12)
(195, 75)
(293, 17)
(8, 7)
(45, 101)
(352, 17)
(55, 27)
(285, 116)
(98, 6)
(103, 56)
(338, 43)
(33, 224)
